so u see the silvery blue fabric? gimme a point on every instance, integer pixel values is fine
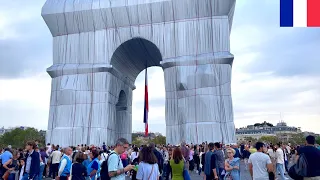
(99, 48)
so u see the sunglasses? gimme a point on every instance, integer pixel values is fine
(229, 152)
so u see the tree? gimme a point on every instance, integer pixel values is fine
(298, 139)
(159, 140)
(138, 139)
(18, 137)
(318, 140)
(269, 139)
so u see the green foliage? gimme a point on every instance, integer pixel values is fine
(298, 139)
(318, 140)
(17, 138)
(138, 140)
(159, 140)
(250, 139)
(269, 139)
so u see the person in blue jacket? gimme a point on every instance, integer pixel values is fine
(32, 162)
(94, 167)
(65, 164)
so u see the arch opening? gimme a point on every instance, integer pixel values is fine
(121, 114)
(135, 55)
(122, 101)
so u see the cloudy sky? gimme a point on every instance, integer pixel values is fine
(275, 69)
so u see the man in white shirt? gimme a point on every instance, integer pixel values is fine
(280, 161)
(55, 160)
(260, 164)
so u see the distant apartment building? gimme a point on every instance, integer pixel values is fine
(5, 130)
(256, 131)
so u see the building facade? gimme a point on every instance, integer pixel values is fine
(256, 131)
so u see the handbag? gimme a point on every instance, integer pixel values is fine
(228, 177)
(6, 175)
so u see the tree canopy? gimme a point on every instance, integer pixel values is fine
(18, 137)
(269, 139)
(160, 139)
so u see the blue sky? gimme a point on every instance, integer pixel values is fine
(275, 69)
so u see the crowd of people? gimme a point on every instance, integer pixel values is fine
(210, 161)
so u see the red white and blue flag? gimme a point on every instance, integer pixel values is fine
(300, 13)
(146, 104)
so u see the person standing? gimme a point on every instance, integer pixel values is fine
(32, 162)
(260, 163)
(219, 160)
(176, 164)
(55, 160)
(312, 156)
(148, 167)
(210, 167)
(246, 154)
(65, 164)
(79, 171)
(12, 166)
(94, 166)
(232, 165)
(115, 166)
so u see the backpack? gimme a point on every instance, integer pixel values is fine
(301, 167)
(104, 172)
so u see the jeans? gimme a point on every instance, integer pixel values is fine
(286, 165)
(164, 173)
(221, 173)
(281, 170)
(41, 172)
(12, 176)
(26, 176)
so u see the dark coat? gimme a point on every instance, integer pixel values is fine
(35, 164)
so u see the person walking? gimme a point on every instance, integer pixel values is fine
(280, 161)
(260, 163)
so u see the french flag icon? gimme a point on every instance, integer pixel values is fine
(300, 13)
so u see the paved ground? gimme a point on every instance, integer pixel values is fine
(245, 175)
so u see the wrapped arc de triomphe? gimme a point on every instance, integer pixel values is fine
(99, 48)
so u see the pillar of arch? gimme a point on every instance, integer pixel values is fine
(99, 48)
